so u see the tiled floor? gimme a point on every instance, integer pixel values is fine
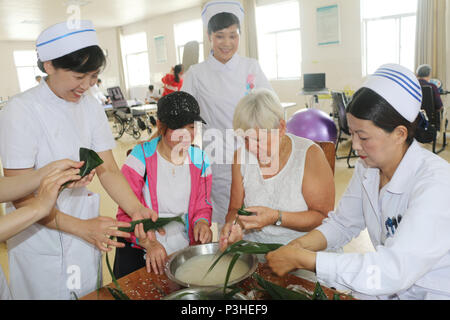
(109, 208)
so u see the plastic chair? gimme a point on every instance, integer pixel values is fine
(330, 152)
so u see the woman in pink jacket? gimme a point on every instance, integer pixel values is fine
(173, 178)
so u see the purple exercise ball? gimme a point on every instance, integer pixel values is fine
(313, 124)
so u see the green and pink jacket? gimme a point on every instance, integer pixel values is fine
(140, 170)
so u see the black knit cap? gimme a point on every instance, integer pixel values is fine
(178, 109)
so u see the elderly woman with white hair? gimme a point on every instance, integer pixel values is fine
(285, 181)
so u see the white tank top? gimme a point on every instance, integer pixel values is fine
(280, 192)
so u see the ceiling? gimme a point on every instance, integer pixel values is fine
(23, 20)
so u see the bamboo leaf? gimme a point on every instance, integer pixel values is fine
(91, 161)
(318, 293)
(243, 212)
(119, 289)
(246, 247)
(230, 294)
(279, 293)
(149, 224)
(230, 269)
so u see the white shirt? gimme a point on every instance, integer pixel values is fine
(218, 88)
(414, 261)
(37, 127)
(150, 96)
(97, 94)
(173, 200)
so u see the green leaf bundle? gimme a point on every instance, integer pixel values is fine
(149, 224)
(91, 161)
(243, 212)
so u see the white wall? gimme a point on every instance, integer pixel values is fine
(9, 81)
(162, 25)
(111, 75)
(341, 62)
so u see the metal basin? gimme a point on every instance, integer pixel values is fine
(202, 293)
(180, 257)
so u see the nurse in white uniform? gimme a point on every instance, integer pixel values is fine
(399, 192)
(60, 255)
(218, 84)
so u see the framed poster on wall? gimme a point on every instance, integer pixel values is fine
(328, 25)
(160, 49)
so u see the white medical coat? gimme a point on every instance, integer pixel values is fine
(412, 260)
(37, 127)
(218, 88)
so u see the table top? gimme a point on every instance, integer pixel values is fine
(140, 285)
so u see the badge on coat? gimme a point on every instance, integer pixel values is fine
(392, 225)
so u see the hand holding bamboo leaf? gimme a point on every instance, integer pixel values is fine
(230, 233)
(259, 218)
(91, 160)
(98, 231)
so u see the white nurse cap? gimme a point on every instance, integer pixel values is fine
(214, 7)
(64, 38)
(398, 86)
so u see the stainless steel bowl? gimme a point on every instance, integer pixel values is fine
(202, 293)
(182, 256)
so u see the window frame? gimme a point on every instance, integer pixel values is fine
(127, 54)
(276, 36)
(28, 65)
(178, 46)
(398, 22)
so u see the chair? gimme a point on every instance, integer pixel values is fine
(330, 152)
(339, 110)
(433, 118)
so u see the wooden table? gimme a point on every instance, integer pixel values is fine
(140, 285)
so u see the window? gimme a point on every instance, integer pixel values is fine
(389, 33)
(136, 59)
(27, 69)
(185, 32)
(279, 42)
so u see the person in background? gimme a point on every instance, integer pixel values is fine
(49, 179)
(399, 192)
(173, 81)
(218, 83)
(98, 94)
(424, 76)
(152, 95)
(423, 73)
(38, 79)
(173, 178)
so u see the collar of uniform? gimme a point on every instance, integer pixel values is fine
(405, 170)
(48, 94)
(219, 66)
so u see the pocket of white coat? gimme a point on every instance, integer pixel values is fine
(35, 276)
